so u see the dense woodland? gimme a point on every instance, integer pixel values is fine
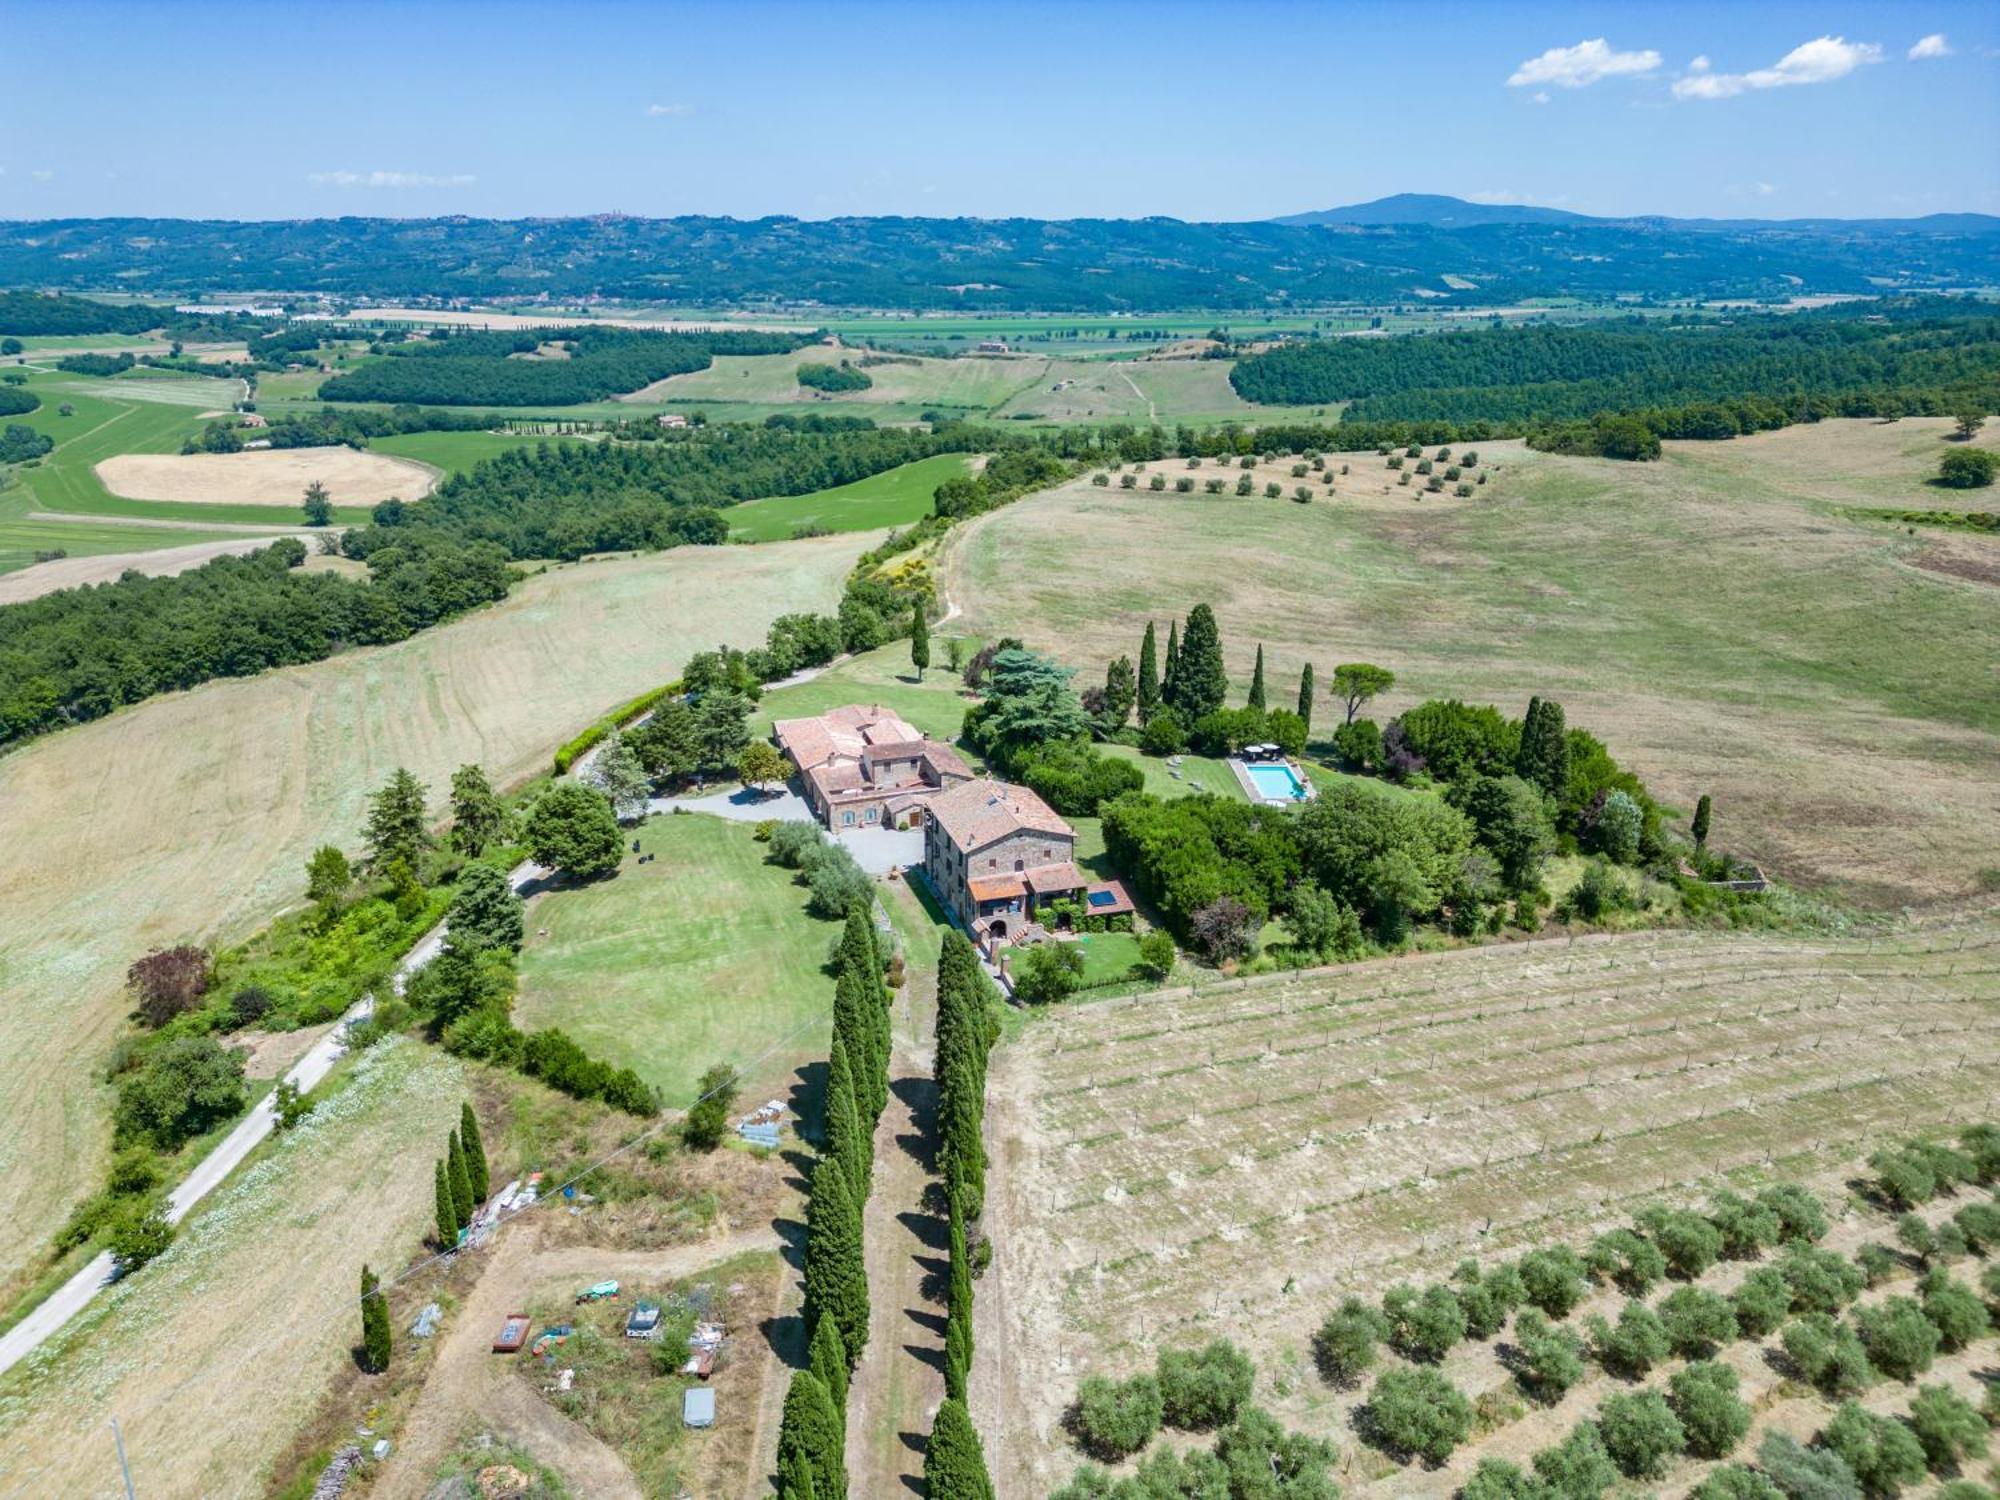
(80, 653)
(504, 369)
(31, 314)
(1095, 265)
(1923, 357)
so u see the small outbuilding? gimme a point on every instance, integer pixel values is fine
(698, 1406)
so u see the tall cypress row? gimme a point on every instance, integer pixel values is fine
(847, 1142)
(1170, 673)
(1256, 698)
(827, 1358)
(836, 1275)
(954, 1461)
(809, 1433)
(447, 1209)
(1306, 695)
(461, 1181)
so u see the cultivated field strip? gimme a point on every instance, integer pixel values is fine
(1216, 1160)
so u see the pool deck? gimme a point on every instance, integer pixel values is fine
(1241, 769)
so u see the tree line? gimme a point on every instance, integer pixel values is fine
(79, 653)
(481, 369)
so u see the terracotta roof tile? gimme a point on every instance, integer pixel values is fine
(975, 813)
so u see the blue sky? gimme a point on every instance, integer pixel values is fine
(1199, 111)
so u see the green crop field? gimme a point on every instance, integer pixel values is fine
(453, 452)
(895, 497)
(705, 955)
(21, 538)
(1722, 619)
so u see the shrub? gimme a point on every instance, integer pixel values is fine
(1696, 1321)
(1553, 1280)
(168, 982)
(1877, 1263)
(1746, 1227)
(1900, 1341)
(1800, 1214)
(1417, 1412)
(1948, 1428)
(1359, 744)
(1203, 1388)
(1344, 1347)
(184, 1089)
(1734, 1482)
(1156, 953)
(1184, 486)
(1981, 1144)
(1968, 468)
(250, 1005)
(1953, 1309)
(1225, 929)
(1903, 1178)
(1820, 1280)
(138, 1238)
(707, 1121)
(793, 843)
(1828, 1355)
(1115, 1418)
(1761, 1303)
(1128, 481)
(1880, 1452)
(1254, 1456)
(1713, 1416)
(1634, 1345)
(1157, 482)
(1048, 972)
(1640, 1432)
(836, 884)
(1979, 1223)
(1803, 1473)
(1426, 1325)
(1496, 1479)
(1487, 1299)
(1689, 1242)
(1550, 1359)
(1577, 1468)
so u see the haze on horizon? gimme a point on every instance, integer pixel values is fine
(1196, 111)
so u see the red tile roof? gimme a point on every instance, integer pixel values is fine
(976, 813)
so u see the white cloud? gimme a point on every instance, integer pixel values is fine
(669, 111)
(1699, 65)
(1933, 45)
(379, 179)
(1819, 61)
(1579, 66)
(1541, 96)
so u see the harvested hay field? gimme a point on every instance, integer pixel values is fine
(273, 476)
(202, 806)
(162, 562)
(1716, 618)
(1233, 1161)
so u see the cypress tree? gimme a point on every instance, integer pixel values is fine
(828, 1359)
(475, 1153)
(461, 1181)
(920, 638)
(961, 1148)
(1201, 679)
(1306, 695)
(1170, 674)
(869, 998)
(447, 1209)
(954, 1462)
(856, 1000)
(1543, 759)
(1149, 675)
(958, 1298)
(1701, 815)
(836, 1275)
(375, 1339)
(808, 1432)
(957, 1358)
(795, 1478)
(1256, 698)
(846, 1142)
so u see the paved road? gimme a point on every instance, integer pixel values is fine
(75, 1294)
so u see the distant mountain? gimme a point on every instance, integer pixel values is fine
(1436, 210)
(1440, 211)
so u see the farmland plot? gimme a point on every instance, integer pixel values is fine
(1234, 1160)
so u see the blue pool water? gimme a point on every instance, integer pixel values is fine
(1276, 781)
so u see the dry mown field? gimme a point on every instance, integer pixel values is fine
(274, 476)
(189, 817)
(1722, 619)
(1234, 1161)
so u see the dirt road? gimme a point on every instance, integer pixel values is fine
(900, 1381)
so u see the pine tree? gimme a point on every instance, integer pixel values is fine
(954, 1462)
(1702, 809)
(461, 1179)
(827, 1359)
(1201, 678)
(398, 827)
(1170, 672)
(475, 1153)
(846, 1142)
(375, 1338)
(1256, 698)
(1306, 695)
(920, 639)
(809, 1431)
(836, 1275)
(447, 1209)
(477, 819)
(1149, 675)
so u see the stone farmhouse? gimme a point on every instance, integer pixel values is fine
(996, 853)
(863, 767)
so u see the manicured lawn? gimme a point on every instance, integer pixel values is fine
(885, 677)
(895, 497)
(1199, 773)
(704, 955)
(1108, 957)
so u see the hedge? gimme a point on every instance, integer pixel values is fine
(617, 719)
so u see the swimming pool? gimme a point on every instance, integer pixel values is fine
(1276, 781)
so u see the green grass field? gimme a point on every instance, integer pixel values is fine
(453, 452)
(936, 706)
(894, 498)
(705, 955)
(21, 538)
